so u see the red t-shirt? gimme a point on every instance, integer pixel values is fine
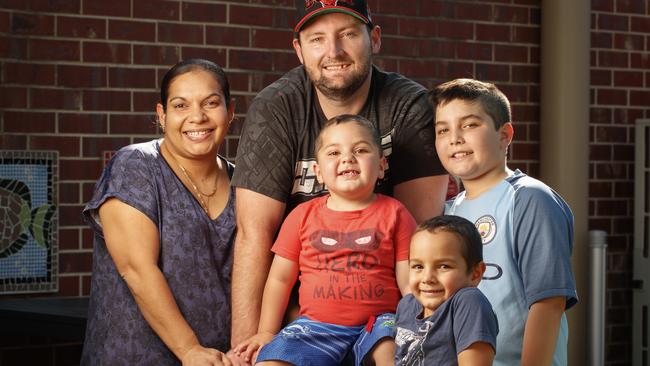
(346, 258)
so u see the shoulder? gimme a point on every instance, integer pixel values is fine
(291, 86)
(390, 82)
(136, 155)
(533, 194)
(470, 295)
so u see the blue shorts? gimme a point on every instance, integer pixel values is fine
(308, 342)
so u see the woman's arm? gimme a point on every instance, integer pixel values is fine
(282, 277)
(133, 242)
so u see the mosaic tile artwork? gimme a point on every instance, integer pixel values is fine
(28, 221)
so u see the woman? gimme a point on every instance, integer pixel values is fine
(163, 220)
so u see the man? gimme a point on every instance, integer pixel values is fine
(334, 41)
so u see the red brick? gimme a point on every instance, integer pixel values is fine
(31, 122)
(95, 146)
(26, 73)
(15, 4)
(251, 16)
(82, 123)
(640, 60)
(612, 97)
(204, 13)
(252, 60)
(624, 189)
(436, 48)
(525, 113)
(474, 51)
(227, 36)
(68, 286)
(613, 22)
(133, 124)
(81, 27)
(515, 93)
(437, 8)
(393, 7)
(41, 49)
(640, 98)
(106, 100)
(217, 55)
(627, 115)
(13, 97)
(13, 142)
(33, 25)
(600, 152)
(534, 55)
(75, 262)
(119, 53)
(601, 40)
(180, 33)
(507, 53)
(419, 68)
(510, 14)
(129, 30)
(455, 29)
(284, 61)
(601, 77)
(492, 72)
(87, 235)
(628, 78)
(630, 42)
(121, 77)
(85, 291)
(145, 101)
(624, 153)
(120, 8)
(612, 208)
(388, 24)
(5, 23)
(611, 171)
(525, 73)
(239, 82)
(55, 99)
(77, 76)
(284, 18)
(56, 6)
(602, 5)
(405, 47)
(66, 146)
(80, 170)
(612, 59)
(630, 6)
(266, 38)
(611, 134)
(472, 11)
(640, 24)
(69, 238)
(14, 48)
(458, 70)
(523, 34)
(156, 9)
(156, 55)
(415, 27)
(525, 151)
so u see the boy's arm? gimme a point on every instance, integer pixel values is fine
(542, 327)
(282, 277)
(402, 276)
(478, 354)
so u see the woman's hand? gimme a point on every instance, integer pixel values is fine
(201, 356)
(250, 348)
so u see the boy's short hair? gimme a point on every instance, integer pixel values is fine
(346, 118)
(471, 245)
(493, 101)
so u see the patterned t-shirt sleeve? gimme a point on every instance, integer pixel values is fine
(543, 231)
(414, 151)
(287, 245)
(128, 178)
(474, 320)
(264, 155)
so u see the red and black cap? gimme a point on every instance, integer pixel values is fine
(309, 9)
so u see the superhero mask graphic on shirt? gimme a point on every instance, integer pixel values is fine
(359, 241)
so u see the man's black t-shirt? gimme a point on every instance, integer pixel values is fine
(276, 149)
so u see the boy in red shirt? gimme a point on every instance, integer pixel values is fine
(350, 250)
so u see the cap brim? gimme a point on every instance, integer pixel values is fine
(325, 10)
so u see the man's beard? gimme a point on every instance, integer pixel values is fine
(340, 93)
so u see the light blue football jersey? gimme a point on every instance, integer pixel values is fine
(527, 233)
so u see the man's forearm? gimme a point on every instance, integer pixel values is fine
(252, 261)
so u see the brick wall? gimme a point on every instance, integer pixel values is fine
(80, 77)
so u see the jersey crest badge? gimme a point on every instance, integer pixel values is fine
(487, 227)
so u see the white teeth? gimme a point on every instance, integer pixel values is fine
(196, 133)
(460, 154)
(335, 67)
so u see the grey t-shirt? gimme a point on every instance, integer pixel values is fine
(276, 150)
(462, 320)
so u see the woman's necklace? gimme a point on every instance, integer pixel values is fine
(200, 195)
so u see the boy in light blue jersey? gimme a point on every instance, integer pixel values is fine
(525, 226)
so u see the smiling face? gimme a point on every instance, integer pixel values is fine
(468, 144)
(349, 162)
(196, 117)
(437, 268)
(336, 50)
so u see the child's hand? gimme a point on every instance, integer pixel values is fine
(251, 347)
